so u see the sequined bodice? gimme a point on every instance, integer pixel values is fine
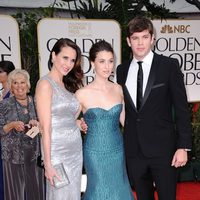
(64, 107)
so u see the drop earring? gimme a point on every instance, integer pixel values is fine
(93, 69)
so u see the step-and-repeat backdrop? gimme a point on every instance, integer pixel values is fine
(9, 41)
(181, 39)
(174, 38)
(84, 33)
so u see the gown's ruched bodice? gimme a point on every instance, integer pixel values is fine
(104, 159)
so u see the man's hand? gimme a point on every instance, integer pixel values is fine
(180, 158)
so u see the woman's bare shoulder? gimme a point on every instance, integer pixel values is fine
(118, 89)
(43, 83)
(83, 91)
(117, 86)
(43, 88)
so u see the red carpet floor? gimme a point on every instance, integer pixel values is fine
(187, 191)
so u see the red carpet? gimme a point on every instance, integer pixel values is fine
(186, 191)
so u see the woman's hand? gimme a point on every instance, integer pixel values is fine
(33, 122)
(82, 125)
(50, 174)
(18, 126)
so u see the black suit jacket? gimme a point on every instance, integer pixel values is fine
(155, 130)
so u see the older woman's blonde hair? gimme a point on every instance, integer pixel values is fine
(12, 75)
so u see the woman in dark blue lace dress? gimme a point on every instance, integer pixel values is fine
(103, 108)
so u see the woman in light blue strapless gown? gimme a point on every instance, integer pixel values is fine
(103, 108)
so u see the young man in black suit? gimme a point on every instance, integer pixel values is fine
(156, 144)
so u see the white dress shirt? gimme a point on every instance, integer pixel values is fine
(131, 81)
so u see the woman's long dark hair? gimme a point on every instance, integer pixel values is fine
(73, 80)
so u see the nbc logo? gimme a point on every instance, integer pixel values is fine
(175, 29)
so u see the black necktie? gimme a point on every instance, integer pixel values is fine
(139, 85)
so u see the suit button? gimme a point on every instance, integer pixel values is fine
(138, 120)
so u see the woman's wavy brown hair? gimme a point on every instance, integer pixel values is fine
(73, 80)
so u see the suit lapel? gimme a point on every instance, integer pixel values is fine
(127, 94)
(125, 89)
(151, 79)
(150, 82)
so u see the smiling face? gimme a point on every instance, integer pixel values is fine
(19, 86)
(64, 61)
(140, 43)
(103, 64)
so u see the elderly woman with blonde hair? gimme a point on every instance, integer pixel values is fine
(20, 141)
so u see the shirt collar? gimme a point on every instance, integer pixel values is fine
(147, 59)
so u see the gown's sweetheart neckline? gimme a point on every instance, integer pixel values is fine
(104, 109)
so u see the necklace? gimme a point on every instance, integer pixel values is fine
(21, 99)
(25, 108)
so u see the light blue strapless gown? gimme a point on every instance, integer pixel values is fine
(104, 159)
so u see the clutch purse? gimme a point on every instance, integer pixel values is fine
(32, 131)
(62, 174)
